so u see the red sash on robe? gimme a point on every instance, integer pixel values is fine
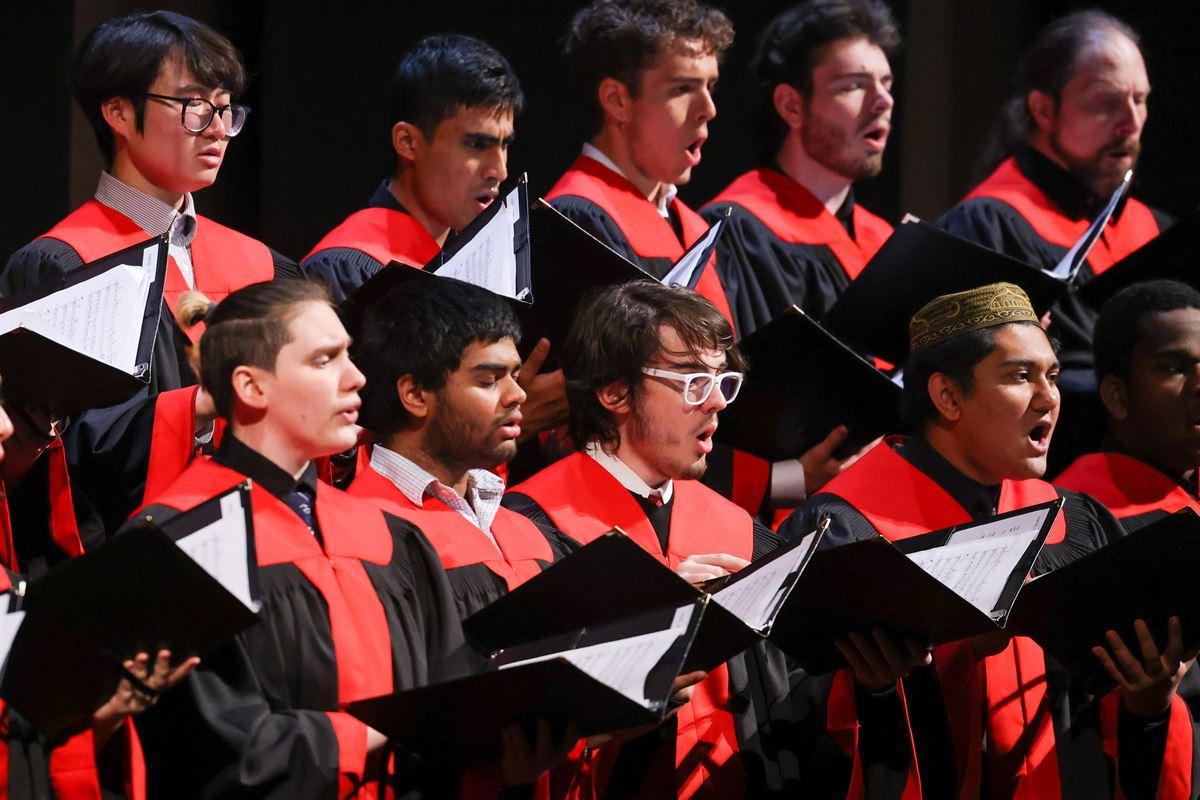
(584, 501)
(1121, 237)
(647, 232)
(900, 501)
(352, 532)
(792, 213)
(223, 260)
(385, 235)
(458, 542)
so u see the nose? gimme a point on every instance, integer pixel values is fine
(515, 395)
(6, 428)
(352, 378)
(1133, 119)
(495, 166)
(708, 105)
(884, 101)
(1047, 397)
(715, 402)
(215, 129)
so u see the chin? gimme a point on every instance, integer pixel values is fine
(694, 471)
(1031, 468)
(503, 454)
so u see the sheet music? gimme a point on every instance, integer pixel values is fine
(10, 623)
(488, 259)
(100, 317)
(694, 259)
(978, 561)
(624, 664)
(222, 549)
(1073, 260)
(756, 598)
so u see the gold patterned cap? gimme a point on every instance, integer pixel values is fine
(952, 315)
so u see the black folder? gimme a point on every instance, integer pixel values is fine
(461, 720)
(916, 264)
(1148, 575)
(1169, 256)
(61, 380)
(137, 592)
(802, 383)
(873, 583)
(578, 592)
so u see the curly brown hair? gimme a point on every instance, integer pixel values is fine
(621, 38)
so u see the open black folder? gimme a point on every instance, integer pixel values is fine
(802, 383)
(184, 585)
(936, 587)
(602, 678)
(1169, 256)
(85, 339)
(578, 591)
(1148, 575)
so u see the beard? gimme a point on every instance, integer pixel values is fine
(648, 438)
(830, 147)
(456, 441)
(1095, 173)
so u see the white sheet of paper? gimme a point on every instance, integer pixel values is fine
(977, 562)
(624, 664)
(681, 273)
(221, 548)
(10, 623)
(755, 599)
(488, 259)
(1067, 268)
(100, 317)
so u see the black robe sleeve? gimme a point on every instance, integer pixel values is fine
(342, 269)
(37, 261)
(284, 266)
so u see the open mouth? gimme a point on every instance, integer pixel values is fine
(705, 438)
(1039, 436)
(693, 151)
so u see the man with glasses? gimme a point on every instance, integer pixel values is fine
(159, 90)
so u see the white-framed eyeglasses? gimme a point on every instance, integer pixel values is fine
(697, 386)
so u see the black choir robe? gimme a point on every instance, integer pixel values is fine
(784, 248)
(754, 727)
(1139, 494)
(358, 609)
(366, 242)
(1014, 725)
(611, 208)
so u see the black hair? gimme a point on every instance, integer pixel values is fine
(792, 44)
(421, 328)
(956, 359)
(123, 56)
(1122, 322)
(1047, 66)
(449, 72)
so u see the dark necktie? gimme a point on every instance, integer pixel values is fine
(300, 500)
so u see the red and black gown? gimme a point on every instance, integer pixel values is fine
(1139, 494)
(784, 248)
(353, 607)
(754, 727)
(612, 209)
(366, 242)
(1015, 725)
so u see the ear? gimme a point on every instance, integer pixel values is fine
(946, 396)
(414, 399)
(1115, 396)
(121, 116)
(616, 397)
(789, 104)
(1041, 108)
(248, 387)
(616, 100)
(407, 140)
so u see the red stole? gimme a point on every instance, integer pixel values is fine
(901, 501)
(584, 501)
(223, 260)
(645, 230)
(351, 532)
(1126, 486)
(385, 235)
(457, 541)
(1121, 237)
(792, 213)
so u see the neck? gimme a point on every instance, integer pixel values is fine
(631, 458)
(124, 170)
(948, 447)
(403, 188)
(1041, 144)
(273, 446)
(1131, 444)
(823, 183)
(412, 445)
(613, 144)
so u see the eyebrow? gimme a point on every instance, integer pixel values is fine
(1026, 362)
(1176, 352)
(867, 75)
(487, 138)
(697, 365)
(193, 88)
(495, 366)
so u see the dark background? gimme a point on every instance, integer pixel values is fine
(316, 144)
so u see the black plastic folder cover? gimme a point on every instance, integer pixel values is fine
(184, 585)
(85, 339)
(937, 587)
(578, 592)
(1169, 256)
(603, 679)
(802, 383)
